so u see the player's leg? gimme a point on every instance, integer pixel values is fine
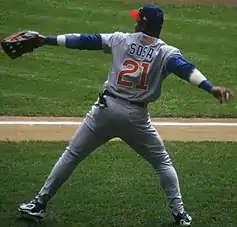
(87, 138)
(82, 144)
(146, 141)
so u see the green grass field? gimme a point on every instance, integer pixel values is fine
(115, 187)
(58, 81)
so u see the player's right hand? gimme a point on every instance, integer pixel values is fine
(222, 94)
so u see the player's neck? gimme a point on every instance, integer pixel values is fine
(151, 34)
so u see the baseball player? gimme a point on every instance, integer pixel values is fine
(141, 62)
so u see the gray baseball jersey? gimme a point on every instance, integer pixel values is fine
(139, 65)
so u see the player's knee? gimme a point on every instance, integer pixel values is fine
(162, 162)
(70, 155)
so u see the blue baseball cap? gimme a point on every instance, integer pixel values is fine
(151, 14)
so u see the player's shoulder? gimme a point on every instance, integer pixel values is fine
(121, 35)
(126, 36)
(115, 36)
(165, 47)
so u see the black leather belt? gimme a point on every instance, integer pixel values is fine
(116, 97)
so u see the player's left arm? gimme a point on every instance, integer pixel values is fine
(100, 41)
(188, 71)
(76, 41)
(23, 42)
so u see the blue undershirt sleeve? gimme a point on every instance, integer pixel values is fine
(180, 67)
(80, 42)
(84, 42)
(183, 69)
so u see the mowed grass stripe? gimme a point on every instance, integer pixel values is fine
(61, 72)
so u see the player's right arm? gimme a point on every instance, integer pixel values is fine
(85, 41)
(188, 71)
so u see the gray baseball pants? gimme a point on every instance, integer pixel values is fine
(132, 124)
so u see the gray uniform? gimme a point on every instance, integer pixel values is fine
(136, 75)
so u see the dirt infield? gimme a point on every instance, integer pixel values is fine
(62, 129)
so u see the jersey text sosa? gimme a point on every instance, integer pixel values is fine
(139, 50)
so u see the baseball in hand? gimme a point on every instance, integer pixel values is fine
(227, 95)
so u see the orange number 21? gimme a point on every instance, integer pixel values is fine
(135, 67)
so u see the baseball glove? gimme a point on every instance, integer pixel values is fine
(20, 43)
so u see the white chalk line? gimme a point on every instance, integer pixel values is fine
(72, 123)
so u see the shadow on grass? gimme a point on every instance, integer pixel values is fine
(159, 223)
(24, 220)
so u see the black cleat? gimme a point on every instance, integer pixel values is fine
(34, 209)
(183, 219)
